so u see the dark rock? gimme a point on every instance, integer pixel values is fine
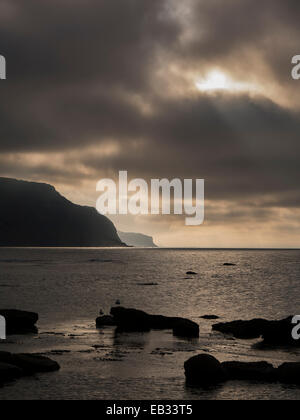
(258, 371)
(185, 328)
(191, 273)
(105, 321)
(181, 327)
(19, 322)
(229, 265)
(160, 322)
(135, 320)
(289, 373)
(204, 370)
(14, 366)
(274, 333)
(242, 329)
(210, 317)
(279, 333)
(9, 372)
(131, 319)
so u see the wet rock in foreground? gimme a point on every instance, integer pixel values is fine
(19, 322)
(203, 370)
(14, 366)
(135, 320)
(289, 373)
(274, 333)
(257, 371)
(9, 373)
(29, 363)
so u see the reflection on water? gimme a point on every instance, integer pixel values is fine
(68, 287)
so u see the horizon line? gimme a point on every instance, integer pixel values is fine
(158, 247)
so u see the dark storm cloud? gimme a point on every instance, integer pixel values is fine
(63, 41)
(70, 65)
(75, 59)
(232, 31)
(241, 146)
(81, 72)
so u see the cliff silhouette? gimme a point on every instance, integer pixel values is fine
(36, 215)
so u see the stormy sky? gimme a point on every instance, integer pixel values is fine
(160, 88)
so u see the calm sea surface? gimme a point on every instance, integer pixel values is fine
(68, 287)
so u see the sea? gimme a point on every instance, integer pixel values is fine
(69, 287)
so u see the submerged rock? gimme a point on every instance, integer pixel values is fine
(191, 273)
(258, 371)
(204, 370)
(19, 322)
(147, 284)
(229, 265)
(210, 317)
(135, 320)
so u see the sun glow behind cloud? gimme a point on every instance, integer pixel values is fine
(219, 81)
